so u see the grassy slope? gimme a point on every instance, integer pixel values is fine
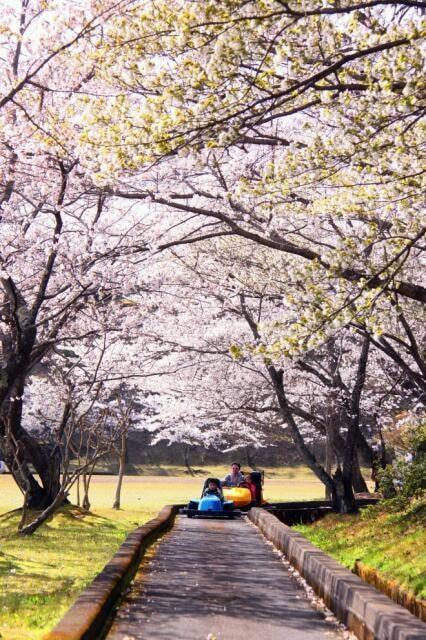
(392, 543)
(40, 576)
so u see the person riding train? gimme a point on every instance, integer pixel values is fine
(240, 494)
(254, 484)
(235, 478)
(213, 488)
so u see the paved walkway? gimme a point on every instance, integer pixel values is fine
(217, 580)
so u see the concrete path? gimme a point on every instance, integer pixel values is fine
(217, 580)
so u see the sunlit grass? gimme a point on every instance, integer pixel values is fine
(394, 544)
(40, 576)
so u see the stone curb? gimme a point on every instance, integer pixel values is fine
(89, 613)
(364, 610)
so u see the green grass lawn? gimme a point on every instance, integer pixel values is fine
(40, 576)
(394, 544)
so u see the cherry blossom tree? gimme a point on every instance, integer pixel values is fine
(64, 275)
(331, 389)
(221, 203)
(326, 97)
(86, 423)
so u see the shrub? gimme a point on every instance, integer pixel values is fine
(406, 476)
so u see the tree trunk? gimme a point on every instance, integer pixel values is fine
(186, 453)
(353, 431)
(46, 460)
(117, 500)
(342, 496)
(26, 483)
(250, 457)
(35, 524)
(358, 482)
(380, 460)
(78, 491)
(21, 449)
(24, 512)
(311, 461)
(17, 456)
(86, 485)
(329, 460)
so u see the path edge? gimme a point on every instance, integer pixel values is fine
(87, 616)
(369, 614)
